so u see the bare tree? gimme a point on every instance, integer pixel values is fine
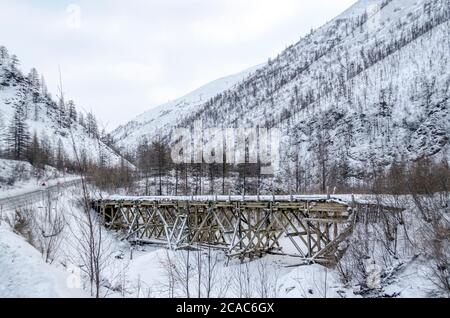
(159, 161)
(430, 189)
(179, 272)
(210, 282)
(188, 273)
(90, 248)
(50, 224)
(242, 281)
(209, 277)
(266, 280)
(21, 224)
(322, 144)
(168, 264)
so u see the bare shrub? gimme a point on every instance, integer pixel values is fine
(194, 273)
(22, 224)
(91, 250)
(430, 190)
(48, 226)
(352, 267)
(168, 264)
(380, 243)
(211, 278)
(42, 229)
(242, 281)
(179, 272)
(266, 280)
(434, 240)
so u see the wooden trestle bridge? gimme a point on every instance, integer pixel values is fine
(311, 228)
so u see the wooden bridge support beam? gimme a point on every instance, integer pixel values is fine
(244, 229)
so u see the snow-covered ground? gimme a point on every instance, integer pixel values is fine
(413, 281)
(151, 271)
(14, 171)
(28, 186)
(24, 274)
(20, 177)
(272, 276)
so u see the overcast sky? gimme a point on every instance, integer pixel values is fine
(121, 58)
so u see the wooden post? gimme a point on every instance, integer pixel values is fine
(246, 229)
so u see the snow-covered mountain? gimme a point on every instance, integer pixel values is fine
(368, 88)
(54, 123)
(160, 120)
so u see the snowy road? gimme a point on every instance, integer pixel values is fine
(24, 199)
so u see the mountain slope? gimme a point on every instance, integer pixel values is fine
(367, 89)
(58, 127)
(161, 119)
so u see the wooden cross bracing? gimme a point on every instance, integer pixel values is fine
(309, 229)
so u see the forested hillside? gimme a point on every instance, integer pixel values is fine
(43, 130)
(368, 90)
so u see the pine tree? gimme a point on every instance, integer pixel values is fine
(1, 124)
(159, 157)
(36, 111)
(91, 125)
(2, 127)
(143, 160)
(322, 142)
(14, 62)
(4, 55)
(18, 137)
(60, 156)
(46, 151)
(72, 111)
(107, 139)
(44, 90)
(34, 156)
(102, 156)
(33, 78)
(81, 119)
(62, 113)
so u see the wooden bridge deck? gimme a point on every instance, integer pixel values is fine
(309, 227)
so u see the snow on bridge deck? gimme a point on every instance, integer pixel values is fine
(340, 199)
(310, 227)
(307, 226)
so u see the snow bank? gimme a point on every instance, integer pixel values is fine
(24, 274)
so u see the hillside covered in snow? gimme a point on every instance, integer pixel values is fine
(57, 125)
(160, 120)
(367, 89)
